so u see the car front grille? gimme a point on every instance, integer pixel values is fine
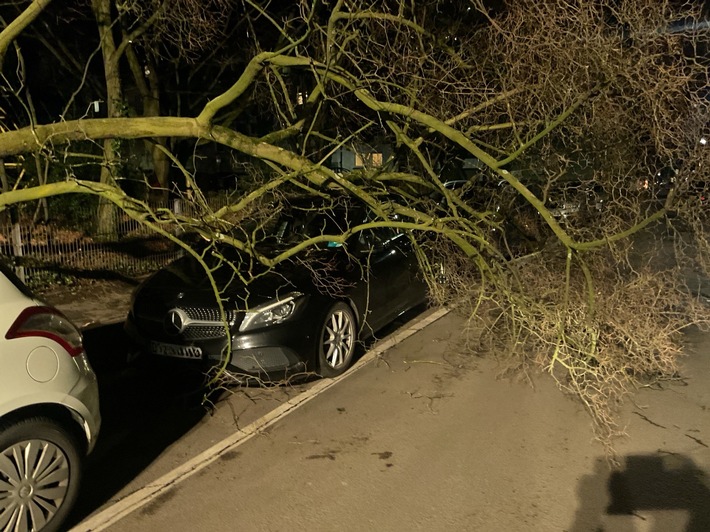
(205, 323)
(204, 332)
(196, 323)
(209, 314)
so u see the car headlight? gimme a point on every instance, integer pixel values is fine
(271, 312)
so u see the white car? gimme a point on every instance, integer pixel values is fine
(49, 410)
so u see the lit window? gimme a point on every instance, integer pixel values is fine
(369, 160)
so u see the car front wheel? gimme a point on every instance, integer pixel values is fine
(336, 341)
(40, 469)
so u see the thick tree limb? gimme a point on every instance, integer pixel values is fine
(18, 25)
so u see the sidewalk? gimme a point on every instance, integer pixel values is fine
(425, 438)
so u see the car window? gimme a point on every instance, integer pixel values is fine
(301, 223)
(306, 221)
(376, 237)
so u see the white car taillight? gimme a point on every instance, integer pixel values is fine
(49, 323)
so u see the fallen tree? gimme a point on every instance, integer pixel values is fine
(568, 115)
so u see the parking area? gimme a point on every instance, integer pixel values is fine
(420, 437)
(423, 437)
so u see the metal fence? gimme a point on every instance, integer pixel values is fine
(64, 245)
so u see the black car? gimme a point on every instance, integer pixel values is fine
(307, 314)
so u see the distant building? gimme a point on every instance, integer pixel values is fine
(360, 156)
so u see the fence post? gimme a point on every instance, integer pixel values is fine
(17, 249)
(177, 206)
(177, 211)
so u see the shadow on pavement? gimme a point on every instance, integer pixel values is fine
(663, 492)
(145, 408)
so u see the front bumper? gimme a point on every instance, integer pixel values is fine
(270, 353)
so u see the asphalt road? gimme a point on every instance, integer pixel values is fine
(421, 437)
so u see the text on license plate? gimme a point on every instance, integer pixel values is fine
(177, 351)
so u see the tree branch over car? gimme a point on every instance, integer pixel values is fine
(556, 119)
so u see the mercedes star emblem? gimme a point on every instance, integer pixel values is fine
(175, 321)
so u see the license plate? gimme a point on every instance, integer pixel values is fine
(176, 351)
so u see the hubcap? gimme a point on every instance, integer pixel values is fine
(34, 479)
(338, 339)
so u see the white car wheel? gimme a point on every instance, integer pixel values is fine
(40, 470)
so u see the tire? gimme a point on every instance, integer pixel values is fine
(40, 472)
(336, 341)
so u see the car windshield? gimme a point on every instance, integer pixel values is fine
(295, 223)
(301, 223)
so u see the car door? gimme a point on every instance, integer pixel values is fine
(386, 259)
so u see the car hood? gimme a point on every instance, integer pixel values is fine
(242, 282)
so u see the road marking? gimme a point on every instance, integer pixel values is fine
(146, 494)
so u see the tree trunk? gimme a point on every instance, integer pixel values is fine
(105, 227)
(161, 162)
(146, 79)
